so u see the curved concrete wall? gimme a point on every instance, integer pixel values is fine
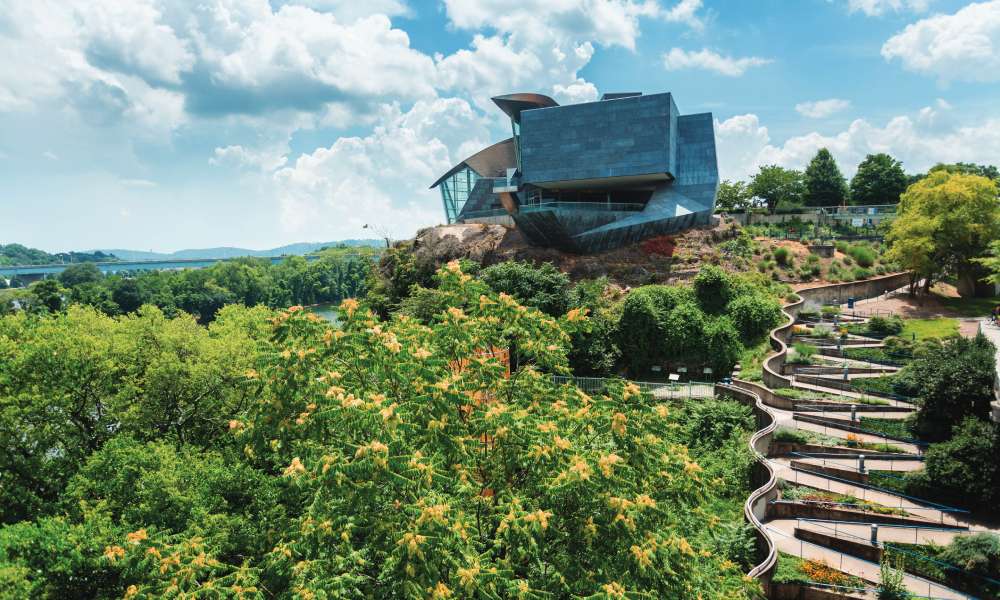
(755, 507)
(838, 292)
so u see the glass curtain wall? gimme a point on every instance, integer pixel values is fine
(455, 191)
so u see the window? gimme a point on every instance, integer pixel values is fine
(455, 191)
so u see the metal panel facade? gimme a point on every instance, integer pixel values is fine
(595, 140)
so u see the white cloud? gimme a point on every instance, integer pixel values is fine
(822, 108)
(380, 179)
(264, 159)
(920, 141)
(348, 11)
(874, 8)
(710, 60)
(50, 155)
(137, 183)
(964, 46)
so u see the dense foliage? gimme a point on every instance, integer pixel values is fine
(16, 254)
(879, 180)
(707, 325)
(335, 275)
(825, 185)
(778, 187)
(945, 221)
(375, 459)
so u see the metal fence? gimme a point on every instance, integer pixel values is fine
(664, 390)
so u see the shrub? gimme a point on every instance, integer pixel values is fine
(964, 470)
(783, 256)
(885, 325)
(829, 311)
(813, 258)
(848, 261)
(979, 552)
(722, 345)
(863, 255)
(794, 436)
(803, 354)
(712, 287)
(754, 315)
(861, 273)
(543, 287)
(841, 247)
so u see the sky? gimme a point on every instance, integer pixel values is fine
(169, 124)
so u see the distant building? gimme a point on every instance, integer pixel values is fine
(590, 177)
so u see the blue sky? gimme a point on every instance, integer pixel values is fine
(164, 124)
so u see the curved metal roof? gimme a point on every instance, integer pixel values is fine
(492, 161)
(513, 104)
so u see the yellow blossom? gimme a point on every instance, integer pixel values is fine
(539, 516)
(251, 374)
(295, 469)
(561, 443)
(662, 411)
(618, 422)
(422, 353)
(576, 314)
(645, 501)
(607, 463)
(440, 592)
(614, 590)
(411, 542)
(131, 592)
(580, 468)
(349, 306)
(456, 313)
(113, 553)
(642, 557)
(547, 427)
(235, 425)
(467, 576)
(137, 536)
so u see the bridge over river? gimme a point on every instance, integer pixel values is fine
(34, 272)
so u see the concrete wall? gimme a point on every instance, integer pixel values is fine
(859, 549)
(755, 507)
(840, 292)
(796, 591)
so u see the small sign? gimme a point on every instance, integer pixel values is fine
(656, 368)
(856, 222)
(674, 377)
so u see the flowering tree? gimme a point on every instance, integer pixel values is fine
(403, 460)
(429, 473)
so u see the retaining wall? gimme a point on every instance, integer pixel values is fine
(838, 292)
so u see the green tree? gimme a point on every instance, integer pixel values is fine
(543, 287)
(732, 196)
(945, 222)
(987, 171)
(778, 187)
(49, 294)
(954, 380)
(714, 288)
(80, 273)
(963, 471)
(825, 185)
(879, 180)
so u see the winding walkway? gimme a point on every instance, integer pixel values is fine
(923, 522)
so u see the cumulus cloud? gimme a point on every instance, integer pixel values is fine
(822, 108)
(874, 8)
(964, 46)
(352, 10)
(379, 179)
(921, 140)
(263, 159)
(710, 60)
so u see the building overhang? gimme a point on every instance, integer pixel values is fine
(513, 104)
(650, 179)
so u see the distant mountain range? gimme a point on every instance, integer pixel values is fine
(228, 252)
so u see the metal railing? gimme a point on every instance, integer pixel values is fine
(664, 390)
(594, 206)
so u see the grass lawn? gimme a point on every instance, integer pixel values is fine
(922, 329)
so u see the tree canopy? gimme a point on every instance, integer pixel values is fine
(288, 457)
(879, 180)
(733, 196)
(946, 221)
(778, 187)
(825, 185)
